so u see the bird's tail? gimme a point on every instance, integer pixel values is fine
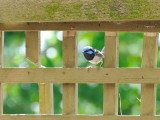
(102, 51)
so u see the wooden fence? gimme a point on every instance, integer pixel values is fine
(70, 16)
(148, 76)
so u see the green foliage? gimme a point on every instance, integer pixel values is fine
(23, 98)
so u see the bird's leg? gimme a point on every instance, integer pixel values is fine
(41, 66)
(90, 66)
(101, 63)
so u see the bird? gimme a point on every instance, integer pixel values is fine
(92, 55)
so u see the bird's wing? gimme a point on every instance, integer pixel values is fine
(98, 53)
(102, 51)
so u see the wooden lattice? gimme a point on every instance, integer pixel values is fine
(70, 76)
(109, 16)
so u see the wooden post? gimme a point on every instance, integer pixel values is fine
(45, 89)
(149, 60)
(110, 97)
(69, 61)
(1, 65)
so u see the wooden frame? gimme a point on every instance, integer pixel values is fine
(87, 10)
(121, 25)
(110, 16)
(77, 117)
(69, 76)
(59, 75)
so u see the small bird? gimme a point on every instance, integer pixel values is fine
(93, 56)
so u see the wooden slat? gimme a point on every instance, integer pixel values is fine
(69, 61)
(33, 46)
(1, 65)
(79, 75)
(149, 60)
(129, 26)
(110, 96)
(46, 98)
(76, 117)
(54, 10)
(45, 89)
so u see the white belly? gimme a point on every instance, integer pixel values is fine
(96, 60)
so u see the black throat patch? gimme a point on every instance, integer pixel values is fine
(89, 56)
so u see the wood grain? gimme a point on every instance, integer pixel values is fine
(84, 10)
(45, 89)
(123, 25)
(149, 60)
(110, 96)
(69, 61)
(33, 47)
(80, 75)
(76, 117)
(46, 98)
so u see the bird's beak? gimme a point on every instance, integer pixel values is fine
(82, 51)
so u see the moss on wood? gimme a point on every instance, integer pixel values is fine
(79, 10)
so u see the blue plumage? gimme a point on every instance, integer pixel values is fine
(90, 52)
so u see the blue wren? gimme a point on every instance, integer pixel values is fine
(93, 56)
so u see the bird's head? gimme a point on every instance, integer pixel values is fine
(88, 52)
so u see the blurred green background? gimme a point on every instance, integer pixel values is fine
(23, 98)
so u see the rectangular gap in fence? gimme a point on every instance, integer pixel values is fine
(57, 88)
(130, 49)
(158, 56)
(14, 49)
(51, 48)
(20, 98)
(89, 38)
(129, 99)
(90, 99)
(158, 99)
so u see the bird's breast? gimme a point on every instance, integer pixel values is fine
(96, 60)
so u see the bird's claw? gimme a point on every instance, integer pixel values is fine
(89, 67)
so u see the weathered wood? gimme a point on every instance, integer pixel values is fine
(45, 89)
(33, 47)
(69, 61)
(69, 10)
(110, 96)
(132, 26)
(80, 75)
(1, 65)
(46, 98)
(149, 60)
(76, 117)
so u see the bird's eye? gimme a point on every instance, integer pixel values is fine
(90, 52)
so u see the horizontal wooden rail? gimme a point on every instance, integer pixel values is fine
(79, 75)
(76, 117)
(129, 26)
(55, 10)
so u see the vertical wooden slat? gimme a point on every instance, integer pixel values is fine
(46, 98)
(69, 61)
(45, 89)
(110, 96)
(33, 47)
(1, 65)
(149, 60)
